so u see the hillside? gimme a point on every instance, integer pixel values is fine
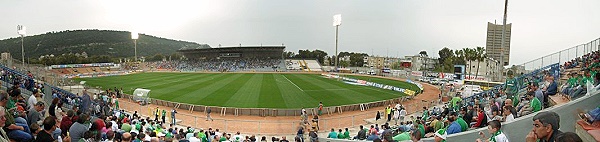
(93, 42)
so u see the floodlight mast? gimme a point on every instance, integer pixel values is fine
(21, 30)
(503, 38)
(135, 36)
(337, 21)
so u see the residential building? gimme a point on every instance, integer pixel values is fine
(489, 68)
(493, 43)
(421, 62)
(379, 62)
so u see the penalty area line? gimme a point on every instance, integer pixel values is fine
(293, 83)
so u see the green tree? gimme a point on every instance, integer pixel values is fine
(316, 54)
(446, 60)
(356, 59)
(459, 57)
(157, 57)
(469, 56)
(288, 54)
(176, 56)
(344, 64)
(423, 53)
(480, 56)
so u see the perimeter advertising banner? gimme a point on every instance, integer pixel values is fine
(416, 73)
(367, 83)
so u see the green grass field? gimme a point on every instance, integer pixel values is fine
(251, 90)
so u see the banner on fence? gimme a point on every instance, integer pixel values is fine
(367, 83)
(416, 73)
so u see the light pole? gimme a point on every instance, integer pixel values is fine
(135, 36)
(503, 35)
(21, 30)
(337, 21)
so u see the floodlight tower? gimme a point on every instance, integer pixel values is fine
(135, 36)
(503, 38)
(21, 30)
(337, 21)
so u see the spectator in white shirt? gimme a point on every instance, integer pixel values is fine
(508, 116)
(32, 100)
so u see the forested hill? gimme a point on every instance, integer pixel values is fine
(93, 42)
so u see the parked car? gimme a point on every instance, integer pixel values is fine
(469, 90)
(434, 81)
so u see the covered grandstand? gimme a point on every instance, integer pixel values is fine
(205, 52)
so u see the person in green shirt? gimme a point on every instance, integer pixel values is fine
(463, 124)
(117, 104)
(438, 125)
(455, 103)
(535, 103)
(138, 126)
(201, 134)
(168, 135)
(340, 134)
(332, 134)
(572, 81)
(347, 134)
(402, 137)
(164, 114)
(425, 115)
(126, 127)
(421, 128)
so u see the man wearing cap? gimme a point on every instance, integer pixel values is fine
(440, 135)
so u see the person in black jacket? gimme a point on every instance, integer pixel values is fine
(362, 133)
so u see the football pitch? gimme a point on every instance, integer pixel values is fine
(251, 90)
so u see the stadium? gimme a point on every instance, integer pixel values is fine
(107, 85)
(229, 94)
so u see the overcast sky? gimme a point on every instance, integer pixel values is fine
(382, 27)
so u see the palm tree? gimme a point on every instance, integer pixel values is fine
(480, 56)
(460, 57)
(469, 55)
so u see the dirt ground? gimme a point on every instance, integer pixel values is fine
(280, 125)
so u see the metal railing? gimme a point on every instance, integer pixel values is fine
(561, 56)
(252, 125)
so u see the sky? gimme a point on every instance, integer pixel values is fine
(383, 27)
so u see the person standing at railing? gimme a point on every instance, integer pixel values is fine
(208, 111)
(173, 120)
(156, 113)
(320, 108)
(388, 113)
(164, 115)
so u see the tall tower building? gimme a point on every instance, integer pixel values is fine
(493, 43)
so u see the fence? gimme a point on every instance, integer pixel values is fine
(561, 56)
(195, 116)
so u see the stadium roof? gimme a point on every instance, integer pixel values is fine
(202, 46)
(232, 48)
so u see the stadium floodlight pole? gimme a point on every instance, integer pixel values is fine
(503, 37)
(337, 21)
(21, 30)
(135, 36)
